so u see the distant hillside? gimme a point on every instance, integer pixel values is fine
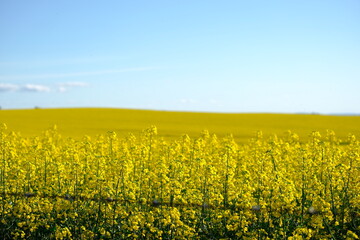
(93, 121)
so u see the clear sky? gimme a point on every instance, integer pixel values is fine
(218, 56)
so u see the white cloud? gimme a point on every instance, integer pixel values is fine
(74, 84)
(5, 87)
(215, 103)
(63, 87)
(187, 101)
(34, 88)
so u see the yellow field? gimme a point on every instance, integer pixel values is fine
(171, 125)
(193, 176)
(144, 187)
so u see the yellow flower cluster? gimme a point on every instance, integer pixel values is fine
(143, 187)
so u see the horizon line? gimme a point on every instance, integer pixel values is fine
(180, 111)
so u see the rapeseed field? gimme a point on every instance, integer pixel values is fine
(78, 122)
(149, 186)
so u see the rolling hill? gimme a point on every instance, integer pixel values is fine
(78, 122)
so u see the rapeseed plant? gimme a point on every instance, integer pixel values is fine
(145, 187)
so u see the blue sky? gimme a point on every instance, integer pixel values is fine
(218, 56)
